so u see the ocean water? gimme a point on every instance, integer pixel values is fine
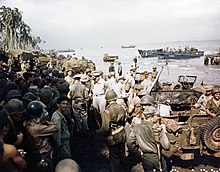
(171, 71)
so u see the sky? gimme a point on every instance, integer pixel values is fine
(76, 23)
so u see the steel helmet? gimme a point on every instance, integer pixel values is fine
(110, 95)
(46, 95)
(13, 94)
(29, 96)
(162, 98)
(14, 106)
(35, 109)
(64, 88)
(147, 100)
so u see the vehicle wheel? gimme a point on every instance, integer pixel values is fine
(176, 86)
(211, 134)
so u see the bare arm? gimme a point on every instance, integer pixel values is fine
(13, 154)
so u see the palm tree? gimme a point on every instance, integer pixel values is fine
(14, 32)
(25, 31)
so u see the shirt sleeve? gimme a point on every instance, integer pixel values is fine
(57, 136)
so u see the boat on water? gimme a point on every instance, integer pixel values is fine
(66, 51)
(180, 55)
(148, 53)
(176, 54)
(108, 58)
(130, 46)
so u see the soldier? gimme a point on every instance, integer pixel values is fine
(99, 101)
(204, 98)
(112, 80)
(119, 69)
(134, 109)
(134, 106)
(111, 67)
(69, 77)
(79, 97)
(130, 79)
(146, 82)
(46, 97)
(28, 79)
(119, 89)
(213, 105)
(15, 111)
(149, 137)
(113, 121)
(39, 132)
(155, 70)
(61, 138)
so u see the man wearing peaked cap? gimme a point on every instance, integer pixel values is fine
(79, 96)
(99, 101)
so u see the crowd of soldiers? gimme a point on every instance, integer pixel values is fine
(41, 109)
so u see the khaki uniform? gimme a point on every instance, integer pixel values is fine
(113, 121)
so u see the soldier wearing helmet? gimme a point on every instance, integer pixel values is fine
(38, 138)
(148, 105)
(46, 97)
(213, 105)
(113, 121)
(145, 137)
(13, 94)
(15, 111)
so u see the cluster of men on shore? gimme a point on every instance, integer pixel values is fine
(40, 109)
(211, 60)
